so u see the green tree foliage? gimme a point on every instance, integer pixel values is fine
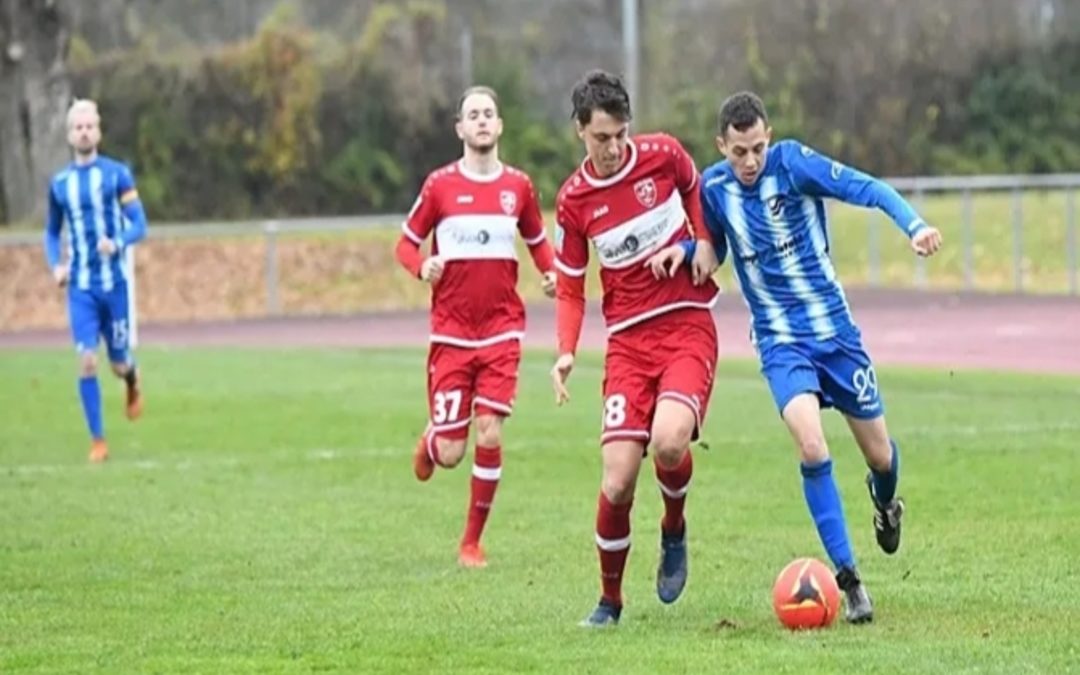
(295, 120)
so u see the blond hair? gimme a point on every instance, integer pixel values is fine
(81, 105)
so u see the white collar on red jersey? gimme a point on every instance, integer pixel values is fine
(617, 176)
(479, 177)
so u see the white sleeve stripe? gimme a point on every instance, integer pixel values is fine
(569, 271)
(410, 234)
(536, 240)
(915, 224)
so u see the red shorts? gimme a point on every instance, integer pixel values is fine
(461, 378)
(671, 356)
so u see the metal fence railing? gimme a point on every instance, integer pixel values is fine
(920, 190)
(966, 186)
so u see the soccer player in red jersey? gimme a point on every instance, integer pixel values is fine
(631, 197)
(475, 207)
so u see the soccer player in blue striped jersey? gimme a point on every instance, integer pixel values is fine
(96, 197)
(766, 205)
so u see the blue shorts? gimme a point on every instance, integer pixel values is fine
(838, 370)
(96, 313)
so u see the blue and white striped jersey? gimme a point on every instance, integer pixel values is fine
(779, 238)
(93, 199)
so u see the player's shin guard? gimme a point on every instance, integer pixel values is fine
(823, 498)
(487, 469)
(613, 545)
(90, 395)
(884, 482)
(674, 484)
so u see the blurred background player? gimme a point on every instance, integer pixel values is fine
(766, 204)
(95, 195)
(629, 197)
(475, 207)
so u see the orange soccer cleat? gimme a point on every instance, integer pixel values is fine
(423, 467)
(472, 555)
(99, 452)
(134, 398)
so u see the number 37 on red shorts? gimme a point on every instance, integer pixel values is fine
(461, 379)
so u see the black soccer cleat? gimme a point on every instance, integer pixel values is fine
(886, 519)
(672, 570)
(606, 614)
(859, 607)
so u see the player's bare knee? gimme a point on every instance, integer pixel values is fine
(669, 447)
(119, 369)
(618, 487)
(451, 451)
(488, 431)
(813, 450)
(88, 364)
(672, 431)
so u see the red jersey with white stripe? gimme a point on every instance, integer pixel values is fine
(627, 217)
(475, 220)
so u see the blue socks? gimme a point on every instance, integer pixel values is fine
(90, 394)
(824, 501)
(885, 483)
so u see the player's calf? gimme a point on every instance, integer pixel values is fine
(674, 482)
(486, 472)
(449, 451)
(432, 450)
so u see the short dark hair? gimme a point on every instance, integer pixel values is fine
(600, 90)
(741, 111)
(477, 89)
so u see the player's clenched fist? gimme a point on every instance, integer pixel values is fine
(106, 246)
(60, 275)
(927, 241)
(432, 269)
(548, 284)
(559, 373)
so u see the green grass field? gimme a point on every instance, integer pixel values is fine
(262, 517)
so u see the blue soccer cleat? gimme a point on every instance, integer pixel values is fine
(605, 614)
(672, 570)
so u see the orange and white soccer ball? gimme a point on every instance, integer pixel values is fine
(805, 595)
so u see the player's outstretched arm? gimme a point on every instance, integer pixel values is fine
(818, 175)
